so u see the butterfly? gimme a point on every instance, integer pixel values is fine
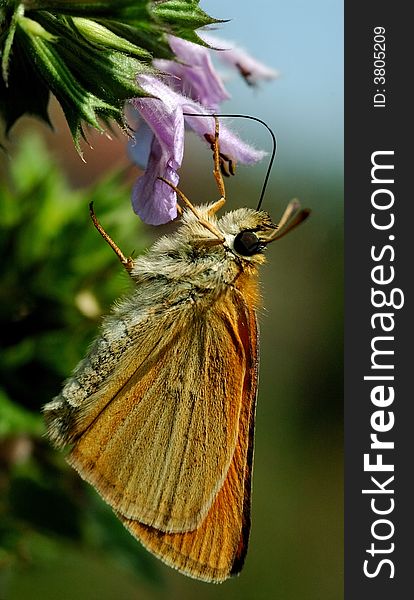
(160, 413)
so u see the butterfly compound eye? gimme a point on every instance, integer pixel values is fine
(247, 243)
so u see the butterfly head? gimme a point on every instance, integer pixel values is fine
(244, 232)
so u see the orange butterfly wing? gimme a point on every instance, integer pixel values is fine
(217, 548)
(159, 449)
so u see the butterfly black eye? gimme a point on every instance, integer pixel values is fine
(247, 243)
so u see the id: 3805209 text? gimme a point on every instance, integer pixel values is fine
(379, 67)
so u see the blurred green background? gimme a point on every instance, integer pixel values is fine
(57, 539)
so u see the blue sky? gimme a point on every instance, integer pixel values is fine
(304, 41)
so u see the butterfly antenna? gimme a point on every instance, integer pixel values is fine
(274, 142)
(127, 262)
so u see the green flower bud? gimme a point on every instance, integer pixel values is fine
(98, 34)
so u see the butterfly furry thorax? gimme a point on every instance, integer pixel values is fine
(192, 259)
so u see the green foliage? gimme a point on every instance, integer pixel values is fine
(87, 54)
(58, 277)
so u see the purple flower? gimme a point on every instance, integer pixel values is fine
(192, 86)
(251, 69)
(195, 75)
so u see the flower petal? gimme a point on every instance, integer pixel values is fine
(139, 147)
(230, 143)
(153, 200)
(163, 115)
(196, 75)
(251, 69)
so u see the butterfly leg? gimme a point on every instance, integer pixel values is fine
(127, 262)
(223, 165)
(218, 176)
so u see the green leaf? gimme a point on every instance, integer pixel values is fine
(8, 42)
(26, 91)
(77, 102)
(143, 34)
(121, 9)
(181, 15)
(106, 73)
(87, 54)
